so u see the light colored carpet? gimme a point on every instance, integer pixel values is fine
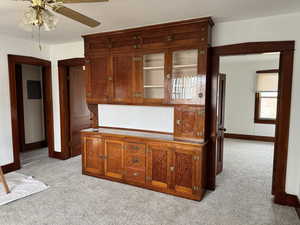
(242, 197)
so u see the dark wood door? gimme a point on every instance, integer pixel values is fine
(98, 79)
(185, 171)
(189, 122)
(220, 121)
(93, 157)
(123, 73)
(114, 154)
(79, 112)
(159, 159)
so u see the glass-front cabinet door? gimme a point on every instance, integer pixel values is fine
(153, 78)
(187, 85)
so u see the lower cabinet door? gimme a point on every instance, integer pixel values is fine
(93, 159)
(185, 171)
(158, 165)
(114, 163)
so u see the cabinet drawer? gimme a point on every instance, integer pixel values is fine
(135, 161)
(135, 176)
(135, 148)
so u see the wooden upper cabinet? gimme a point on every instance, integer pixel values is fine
(123, 74)
(187, 78)
(93, 158)
(114, 154)
(189, 122)
(98, 79)
(153, 65)
(159, 159)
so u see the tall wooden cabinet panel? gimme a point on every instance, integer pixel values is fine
(123, 69)
(98, 79)
(114, 154)
(93, 158)
(159, 159)
(189, 122)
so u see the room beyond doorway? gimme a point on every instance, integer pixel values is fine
(16, 110)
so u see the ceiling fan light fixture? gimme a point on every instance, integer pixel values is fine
(49, 20)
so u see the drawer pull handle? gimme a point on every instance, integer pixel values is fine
(136, 174)
(135, 160)
(135, 148)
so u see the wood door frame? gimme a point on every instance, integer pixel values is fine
(63, 70)
(13, 60)
(286, 49)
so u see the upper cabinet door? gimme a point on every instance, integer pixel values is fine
(123, 73)
(153, 78)
(98, 79)
(188, 77)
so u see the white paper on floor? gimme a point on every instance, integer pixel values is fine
(20, 186)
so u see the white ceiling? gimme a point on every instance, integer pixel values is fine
(120, 14)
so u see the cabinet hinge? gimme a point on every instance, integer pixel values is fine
(196, 157)
(83, 68)
(137, 59)
(196, 188)
(201, 112)
(199, 134)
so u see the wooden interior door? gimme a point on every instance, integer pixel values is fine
(185, 174)
(158, 166)
(93, 155)
(123, 69)
(220, 121)
(114, 154)
(79, 112)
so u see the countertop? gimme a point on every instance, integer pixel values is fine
(141, 134)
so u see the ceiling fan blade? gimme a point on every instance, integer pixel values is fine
(82, 1)
(70, 13)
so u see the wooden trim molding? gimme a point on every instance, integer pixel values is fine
(13, 60)
(287, 199)
(63, 71)
(35, 145)
(249, 137)
(286, 49)
(268, 71)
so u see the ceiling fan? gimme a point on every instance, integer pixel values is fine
(39, 15)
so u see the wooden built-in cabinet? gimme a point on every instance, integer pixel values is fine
(155, 65)
(161, 163)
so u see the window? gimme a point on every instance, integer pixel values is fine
(266, 96)
(265, 107)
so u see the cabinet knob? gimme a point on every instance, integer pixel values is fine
(137, 46)
(135, 174)
(178, 122)
(168, 76)
(135, 160)
(172, 168)
(110, 78)
(200, 95)
(170, 38)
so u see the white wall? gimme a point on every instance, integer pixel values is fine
(137, 117)
(276, 28)
(240, 92)
(33, 108)
(59, 52)
(15, 46)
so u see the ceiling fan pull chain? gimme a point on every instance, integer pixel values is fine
(40, 46)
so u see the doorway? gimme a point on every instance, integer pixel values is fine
(30, 94)
(286, 50)
(74, 111)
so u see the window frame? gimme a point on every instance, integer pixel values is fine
(257, 118)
